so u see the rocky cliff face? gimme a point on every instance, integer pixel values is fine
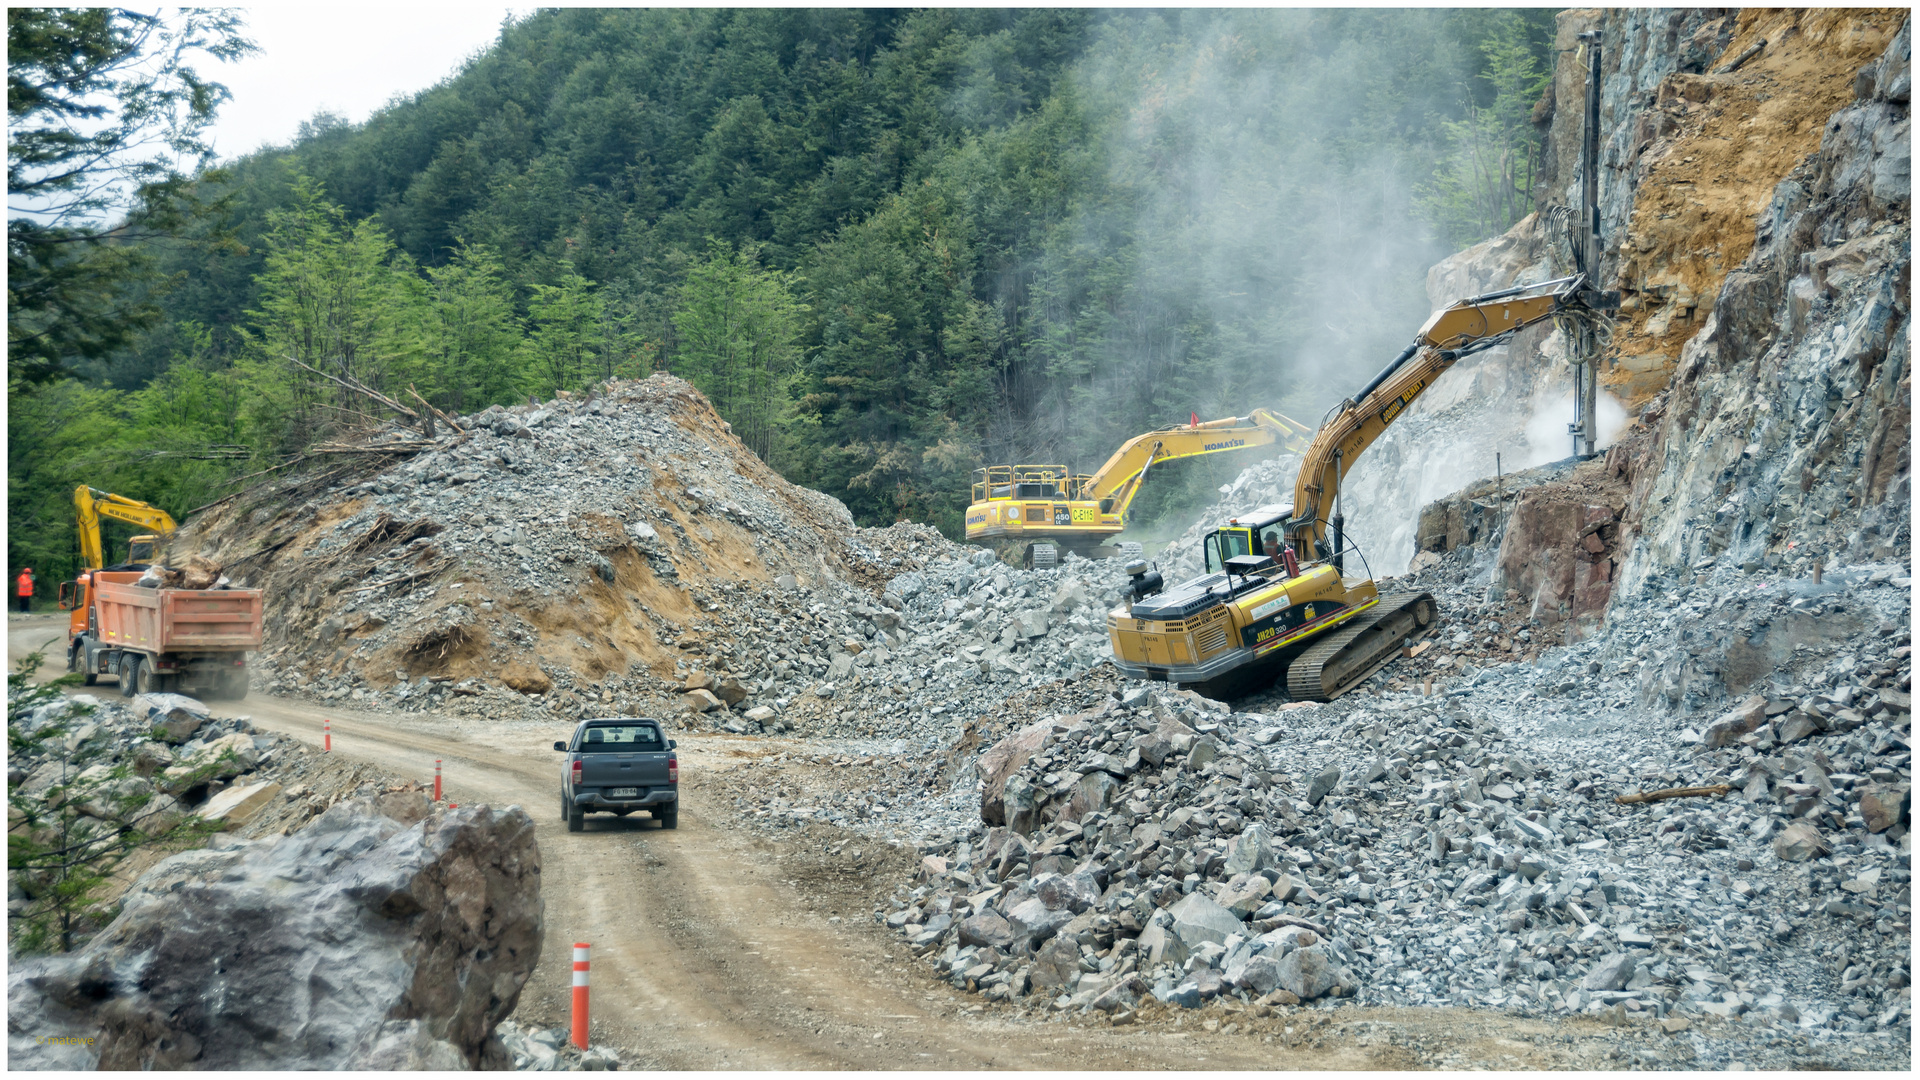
(1755, 203)
(1785, 434)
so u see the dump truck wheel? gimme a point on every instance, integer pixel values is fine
(129, 670)
(145, 681)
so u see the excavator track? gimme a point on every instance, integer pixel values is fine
(1334, 666)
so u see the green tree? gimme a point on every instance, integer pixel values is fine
(737, 331)
(338, 308)
(476, 336)
(567, 335)
(1484, 186)
(103, 108)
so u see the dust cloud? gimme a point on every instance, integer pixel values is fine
(1266, 245)
(1554, 409)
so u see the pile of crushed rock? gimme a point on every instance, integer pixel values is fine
(1125, 848)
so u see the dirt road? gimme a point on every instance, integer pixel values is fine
(715, 947)
(708, 950)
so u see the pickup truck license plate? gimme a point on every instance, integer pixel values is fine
(623, 793)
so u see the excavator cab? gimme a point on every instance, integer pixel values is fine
(1242, 536)
(1224, 544)
(141, 549)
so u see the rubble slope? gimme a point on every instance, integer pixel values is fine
(589, 549)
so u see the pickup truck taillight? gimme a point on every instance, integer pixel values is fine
(578, 768)
(673, 770)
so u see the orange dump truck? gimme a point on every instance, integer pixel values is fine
(161, 640)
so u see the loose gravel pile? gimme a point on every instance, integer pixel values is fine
(623, 553)
(1132, 849)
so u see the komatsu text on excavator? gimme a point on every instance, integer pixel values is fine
(1276, 598)
(1028, 513)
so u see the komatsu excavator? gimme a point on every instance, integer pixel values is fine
(1276, 598)
(92, 504)
(1028, 513)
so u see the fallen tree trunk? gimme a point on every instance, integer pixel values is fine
(1672, 793)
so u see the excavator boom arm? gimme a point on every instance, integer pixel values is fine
(1119, 479)
(1466, 326)
(92, 504)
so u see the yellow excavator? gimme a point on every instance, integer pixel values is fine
(1275, 597)
(92, 504)
(1028, 513)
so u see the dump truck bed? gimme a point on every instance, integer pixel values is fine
(176, 620)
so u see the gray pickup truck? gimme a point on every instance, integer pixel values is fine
(618, 765)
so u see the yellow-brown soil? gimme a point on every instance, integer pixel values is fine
(1717, 146)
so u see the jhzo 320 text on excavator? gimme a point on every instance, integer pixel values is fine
(1029, 513)
(1276, 598)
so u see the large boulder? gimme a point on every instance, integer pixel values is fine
(1093, 791)
(1020, 802)
(1613, 972)
(1054, 966)
(1005, 758)
(1159, 945)
(1032, 920)
(1074, 892)
(173, 717)
(1197, 919)
(1311, 972)
(1250, 852)
(987, 929)
(355, 943)
(1799, 842)
(1884, 807)
(222, 759)
(1741, 719)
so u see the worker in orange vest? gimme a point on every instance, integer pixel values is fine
(23, 588)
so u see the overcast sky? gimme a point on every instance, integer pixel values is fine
(345, 58)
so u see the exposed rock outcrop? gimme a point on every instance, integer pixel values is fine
(1786, 433)
(355, 943)
(1758, 228)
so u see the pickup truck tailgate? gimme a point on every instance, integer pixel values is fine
(622, 762)
(601, 770)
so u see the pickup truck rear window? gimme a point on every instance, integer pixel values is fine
(620, 739)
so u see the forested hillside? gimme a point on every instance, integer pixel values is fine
(891, 246)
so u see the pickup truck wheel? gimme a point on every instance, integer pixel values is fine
(129, 670)
(670, 817)
(576, 818)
